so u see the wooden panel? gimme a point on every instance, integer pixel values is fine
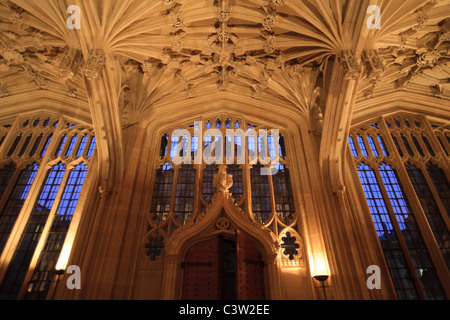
(201, 272)
(250, 272)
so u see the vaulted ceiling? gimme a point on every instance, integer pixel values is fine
(181, 49)
(138, 59)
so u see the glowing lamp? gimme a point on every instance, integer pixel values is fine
(61, 265)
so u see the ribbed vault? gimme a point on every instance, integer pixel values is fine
(131, 59)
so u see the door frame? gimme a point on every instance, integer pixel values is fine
(204, 228)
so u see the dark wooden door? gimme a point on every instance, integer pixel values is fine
(250, 272)
(201, 272)
(224, 269)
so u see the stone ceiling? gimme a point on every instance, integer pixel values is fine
(161, 50)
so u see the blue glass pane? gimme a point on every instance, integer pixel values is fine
(82, 146)
(71, 146)
(173, 146)
(411, 234)
(372, 146)
(352, 147)
(40, 282)
(47, 142)
(393, 254)
(60, 146)
(91, 148)
(362, 146)
(383, 146)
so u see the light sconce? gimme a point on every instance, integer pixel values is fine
(322, 279)
(59, 272)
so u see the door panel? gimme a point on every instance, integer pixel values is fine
(250, 272)
(224, 269)
(201, 272)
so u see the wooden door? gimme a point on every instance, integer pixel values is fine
(201, 272)
(221, 268)
(250, 269)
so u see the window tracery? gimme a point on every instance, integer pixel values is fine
(188, 189)
(62, 152)
(403, 170)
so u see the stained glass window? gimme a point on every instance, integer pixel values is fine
(372, 146)
(185, 193)
(208, 187)
(15, 202)
(430, 208)
(43, 273)
(18, 267)
(251, 190)
(261, 204)
(284, 201)
(237, 189)
(389, 241)
(352, 147)
(29, 143)
(411, 234)
(392, 212)
(440, 182)
(162, 194)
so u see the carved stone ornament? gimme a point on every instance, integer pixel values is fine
(95, 64)
(70, 63)
(428, 58)
(349, 64)
(374, 65)
(223, 181)
(222, 223)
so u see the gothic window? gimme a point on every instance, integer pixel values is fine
(185, 193)
(208, 187)
(395, 258)
(284, 201)
(62, 152)
(429, 206)
(261, 204)
(237, 189)
(406, 189)
(43, 273)
(15, 202)
(18, 267)
(162, 194)
(182, 191)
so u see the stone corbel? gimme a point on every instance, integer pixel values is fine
(95, 64)
(71, 63)
(349, 64)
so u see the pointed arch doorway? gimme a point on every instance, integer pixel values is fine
(224, 268)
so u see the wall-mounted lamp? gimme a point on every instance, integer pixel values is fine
(322, 279)
(59, 273)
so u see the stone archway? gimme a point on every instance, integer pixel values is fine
(221, 217)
